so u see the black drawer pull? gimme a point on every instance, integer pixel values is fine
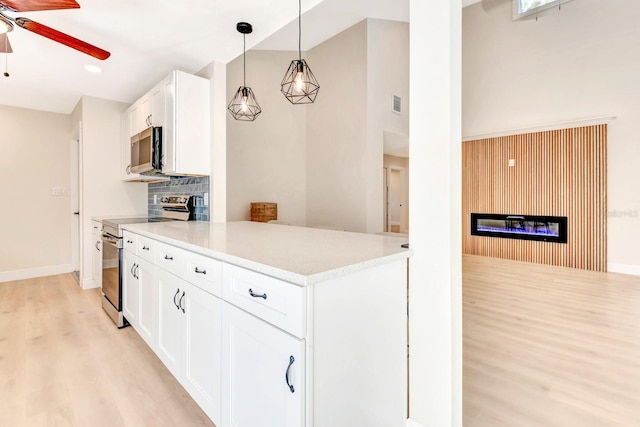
(145, 248)
(129, 241)
(286, 376)
(198, 271)
(180, 303)
(174, 299)
(167, 257)
(253, 294)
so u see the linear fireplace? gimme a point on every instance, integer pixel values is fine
(526, 227)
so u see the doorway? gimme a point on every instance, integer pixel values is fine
(396, 212)
(74, 184)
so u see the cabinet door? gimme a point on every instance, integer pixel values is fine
(97, 259)
(148, 302)
(263, 371)
(170, 321)
(140, 115)
(156, 102)
(130, 290)
(202, 350)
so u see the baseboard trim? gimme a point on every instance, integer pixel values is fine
(50, 270)
(623, 268)
(412, 423)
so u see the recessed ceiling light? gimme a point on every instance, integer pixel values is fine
(92, 68)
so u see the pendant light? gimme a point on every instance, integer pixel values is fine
(299, 85)
(243, 105)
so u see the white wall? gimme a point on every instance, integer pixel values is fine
(337, 133)
(579, 62)
(387, 75)
(36, 226)
(265, 157)
(103, 193)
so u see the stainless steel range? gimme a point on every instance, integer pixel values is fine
(174, 208)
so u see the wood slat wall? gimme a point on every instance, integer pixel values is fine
(560, 172)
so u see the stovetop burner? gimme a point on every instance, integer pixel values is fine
(174, 208)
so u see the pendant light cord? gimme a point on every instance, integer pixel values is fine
(300, 30)
(244, 60)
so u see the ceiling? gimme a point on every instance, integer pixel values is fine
(149, 38)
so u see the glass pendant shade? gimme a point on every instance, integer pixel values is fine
(243, 105)
(299, 85)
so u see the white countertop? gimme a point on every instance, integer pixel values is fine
(103, 217)
(299, 255)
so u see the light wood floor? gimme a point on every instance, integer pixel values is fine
(64, 363)
(549, 346)
(543, 346)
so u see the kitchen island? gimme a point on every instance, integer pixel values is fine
(274, 325)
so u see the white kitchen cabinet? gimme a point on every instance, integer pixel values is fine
(275, 353)
(263, 373)
(189, 339)
(140, 295)
(147, 302)
(140, 115)
(185, 135)
(147, 111)
(179, 104)
(96, 254)
(130, 289)
(170, 321)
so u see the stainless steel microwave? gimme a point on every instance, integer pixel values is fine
(146, 151)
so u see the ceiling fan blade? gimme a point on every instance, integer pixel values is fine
(32, 5)
(5, 44)
(63, 38)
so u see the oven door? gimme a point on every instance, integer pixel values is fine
(111, 258)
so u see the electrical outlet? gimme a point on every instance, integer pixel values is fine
(155, 199)
(60, 191)
(512, 162)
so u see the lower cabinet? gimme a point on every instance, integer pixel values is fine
(263, 372)
(96, 255)
(189, 339)
(148, 302)
(130, 289)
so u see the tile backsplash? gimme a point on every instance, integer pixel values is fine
(193, 186)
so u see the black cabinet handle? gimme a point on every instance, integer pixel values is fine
(181, 298)
(132, 273)
(167, 257)
(174, 299)
(129, 241)
(286, 376)
(253, 294)
(145, 248)
(197, 270)
(135, 271)
(98, 245)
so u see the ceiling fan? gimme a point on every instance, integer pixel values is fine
(7, 23)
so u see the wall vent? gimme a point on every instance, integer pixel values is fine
(396, 104)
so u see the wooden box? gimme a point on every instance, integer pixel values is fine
(264, 211)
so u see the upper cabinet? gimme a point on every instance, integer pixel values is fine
(179, 104)
(185, 136)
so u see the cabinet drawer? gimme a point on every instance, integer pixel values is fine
(129, 241)
(171, 259)
(146, 248)
(206, 273)
(280, 303)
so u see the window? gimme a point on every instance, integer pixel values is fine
(522, 8)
